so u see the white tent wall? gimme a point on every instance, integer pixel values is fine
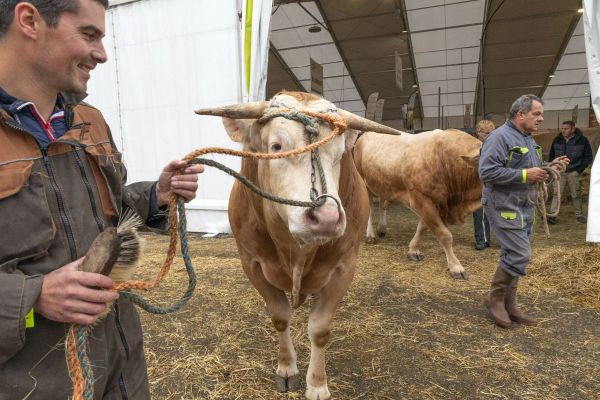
(166, 59)
(591, 25)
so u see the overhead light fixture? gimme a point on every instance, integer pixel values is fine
(404, 30)
(415, 85)
(314, 29)
(551, 76)
(580, 11)
(586, 93)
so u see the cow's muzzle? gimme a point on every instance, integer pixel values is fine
(327, 220)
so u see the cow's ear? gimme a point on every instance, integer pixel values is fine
(238, 129)
(473, 161)
(351, 135)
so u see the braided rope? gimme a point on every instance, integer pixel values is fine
(542, 195)
(80, 369)
(74, 364)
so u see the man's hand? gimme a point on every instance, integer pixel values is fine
(73, 296)
(536, 174)
(184, 185)
(560, 163)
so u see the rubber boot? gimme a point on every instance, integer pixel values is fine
(510, 302)
(495, 300)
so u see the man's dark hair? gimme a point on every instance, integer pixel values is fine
(50, 10)
(569, 122)
(524, 104)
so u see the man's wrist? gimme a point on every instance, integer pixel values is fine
(162, 198)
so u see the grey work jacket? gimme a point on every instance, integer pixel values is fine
(505, 154)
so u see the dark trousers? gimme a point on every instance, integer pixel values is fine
(481, 227)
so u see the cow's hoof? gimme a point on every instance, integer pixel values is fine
(416, 256)
(289, 384)
(370, 240)
(381, 234)
(317, 393)
(460, 275)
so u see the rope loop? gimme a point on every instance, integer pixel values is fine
(542, 194)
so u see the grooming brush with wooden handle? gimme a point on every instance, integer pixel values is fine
(115, 252)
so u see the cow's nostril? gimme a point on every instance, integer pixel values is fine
(312, 217)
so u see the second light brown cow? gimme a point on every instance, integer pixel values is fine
(433, 173)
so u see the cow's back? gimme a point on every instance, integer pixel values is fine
(429, 163)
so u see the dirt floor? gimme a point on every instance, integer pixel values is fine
(405, 330)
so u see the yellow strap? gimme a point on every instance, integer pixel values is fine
(524, 175)
(29, 322)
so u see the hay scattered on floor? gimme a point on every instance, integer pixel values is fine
(404, 330)
(572, 273)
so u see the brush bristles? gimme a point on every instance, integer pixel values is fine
(131, 245)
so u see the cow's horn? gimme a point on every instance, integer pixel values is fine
(363, 124)
(237, 111)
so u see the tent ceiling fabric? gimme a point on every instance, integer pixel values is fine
(446, 40)
(359, 39)
(522, 47)
(296, 46)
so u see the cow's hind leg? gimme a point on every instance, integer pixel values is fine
(429, 214)
(278, 306)
(413, 247)
(371, 238)
(382, 225)
(319, 325)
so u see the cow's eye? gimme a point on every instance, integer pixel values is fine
(276, 147)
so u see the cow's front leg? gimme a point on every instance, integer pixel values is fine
(413, 247)
(430, 215)
(319, 327)
(287, 378)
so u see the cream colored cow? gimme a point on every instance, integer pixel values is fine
(432, 173)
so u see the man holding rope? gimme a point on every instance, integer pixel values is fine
(61, 184)
(510, 168)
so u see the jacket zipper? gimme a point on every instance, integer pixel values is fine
(61, 206)
(88, 186)
(56, 190)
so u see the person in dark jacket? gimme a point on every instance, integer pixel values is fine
(571, 143)
(481, 225)
(62, 182)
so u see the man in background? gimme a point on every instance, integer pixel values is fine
(571, 143)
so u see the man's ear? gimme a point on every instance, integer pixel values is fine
(27, 19)
(246, 131)
(350, 135)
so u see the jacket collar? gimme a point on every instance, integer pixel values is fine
(513, 126)
(9, 105)
(12, 105)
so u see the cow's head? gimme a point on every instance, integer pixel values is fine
(291, 177)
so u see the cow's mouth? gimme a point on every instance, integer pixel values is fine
(311, 240)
